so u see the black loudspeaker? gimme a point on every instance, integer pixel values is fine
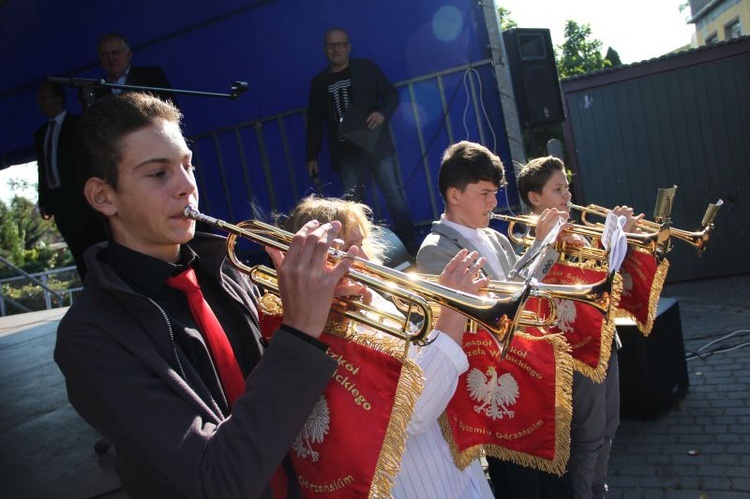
(653, 370)
(533, 71)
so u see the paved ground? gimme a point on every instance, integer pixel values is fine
(700, 450)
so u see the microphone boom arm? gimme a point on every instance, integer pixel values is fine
(237, 88)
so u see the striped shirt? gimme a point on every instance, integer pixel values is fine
(427, 466)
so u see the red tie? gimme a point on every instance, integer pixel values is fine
(221, 351)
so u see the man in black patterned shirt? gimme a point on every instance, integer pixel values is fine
(357, 88)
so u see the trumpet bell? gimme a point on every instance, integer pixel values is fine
(597, 295)
(664, 231)
(711, 211)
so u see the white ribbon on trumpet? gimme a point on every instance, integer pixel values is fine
(614, 240)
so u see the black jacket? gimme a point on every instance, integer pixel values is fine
(371, 91)
(138, 76)
(69, 195)
(129, 379)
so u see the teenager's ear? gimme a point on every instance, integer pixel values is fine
(535, 198)
(452, 195)
(98, 193)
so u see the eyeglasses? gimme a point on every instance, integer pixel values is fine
(336, 45)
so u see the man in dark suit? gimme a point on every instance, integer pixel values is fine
(60, 191)
(357, 88)
(115, 57)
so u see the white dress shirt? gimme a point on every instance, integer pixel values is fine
(480, 240)
(427, 467)
(53, 176)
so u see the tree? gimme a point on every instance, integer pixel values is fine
(613, 57)
(579, 53)
(506, 22)
(27, 240)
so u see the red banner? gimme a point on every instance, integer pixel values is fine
(589, 332)
(352, 443)
(517, 409)
(642, 282)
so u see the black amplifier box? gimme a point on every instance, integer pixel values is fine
(653, 370)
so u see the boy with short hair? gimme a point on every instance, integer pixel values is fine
(469, 179)
(543, 184)
(195, 406)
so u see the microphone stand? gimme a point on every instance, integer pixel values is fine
(89, 84)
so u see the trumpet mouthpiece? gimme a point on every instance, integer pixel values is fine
(190, 211)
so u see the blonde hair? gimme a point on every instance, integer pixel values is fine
(350, 213)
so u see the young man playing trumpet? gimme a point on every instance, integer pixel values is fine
(469, 179)
(190, 414)
(176, 378)
(543, 185)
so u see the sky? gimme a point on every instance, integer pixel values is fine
(26, 172)
(637, 29)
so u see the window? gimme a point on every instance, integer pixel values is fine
(712, 39)
(732, 29)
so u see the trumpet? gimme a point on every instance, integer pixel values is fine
(597, 295)
(417, 297)
(656, 243)
(697, 239)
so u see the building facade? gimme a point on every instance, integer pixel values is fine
(719, 20)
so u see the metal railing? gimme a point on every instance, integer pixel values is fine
(259, 164)
(50, 298)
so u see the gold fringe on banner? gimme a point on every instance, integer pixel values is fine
(598, 373)
(653, 300)
(410, 387)
(563, 415)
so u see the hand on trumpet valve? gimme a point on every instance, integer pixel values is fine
(306, 277)
(347, 288)
(631, 220)
(462, 273)
(349, 291)
(547, 222)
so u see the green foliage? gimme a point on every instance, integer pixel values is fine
(613, 57)
(31, 295)
(20, 184)
(506, 22)
(579, 54)
(27, 240)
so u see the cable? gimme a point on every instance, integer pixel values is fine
(432, 139)
(718, 350)
(468, 73)
(698, 355)
(473, 71)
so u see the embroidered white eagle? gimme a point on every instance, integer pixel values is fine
(314, 431)
(565, 316)
(494, 393)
